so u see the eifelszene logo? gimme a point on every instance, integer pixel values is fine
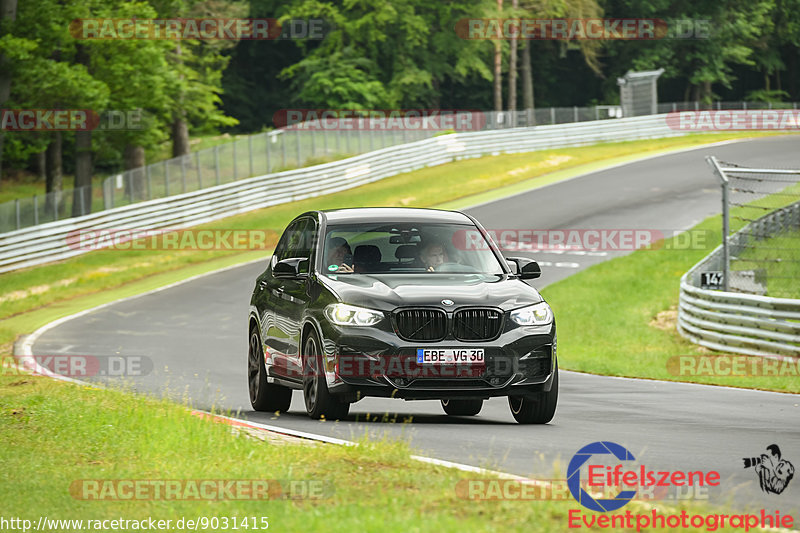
(774, 473)
(603, 476)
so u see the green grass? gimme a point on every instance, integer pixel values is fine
(618, 317)
(53, 435)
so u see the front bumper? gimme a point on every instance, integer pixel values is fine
(378, 363)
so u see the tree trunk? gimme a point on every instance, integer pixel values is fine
(498, 68)
(8, 10)
(82, 197)
(527, 81)
(53, 172)
(180, 130)
(39, 166)
(180, 135)
(512, 73)
(136, 184)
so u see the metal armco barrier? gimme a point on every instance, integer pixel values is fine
(734, 322)
(48, 242)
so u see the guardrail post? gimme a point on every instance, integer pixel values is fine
(199, 171)
(250, 150)
(216, 162)
(711, 160)
(16, 209)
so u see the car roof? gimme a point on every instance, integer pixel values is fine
(394, 214)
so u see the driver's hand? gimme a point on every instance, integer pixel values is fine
(345, 268)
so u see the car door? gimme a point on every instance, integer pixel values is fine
(287, 298)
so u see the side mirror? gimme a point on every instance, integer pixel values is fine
(526, 268)
(288, 268)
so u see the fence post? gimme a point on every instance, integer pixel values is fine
(83, 202)
(166, 177)
(216, 162)
(282, 138)
(711, 160)
(575, 110)
(312, 133)
(183, 173)
(250, 149)
(297, 135)
(199, 171)
(55, 204)
(552, 115)
(16, 209)
(130, 184)
(147, 175)
(269, 157)
(35, 210)
(359, 141)
(234, 161)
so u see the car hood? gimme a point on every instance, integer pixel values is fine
(385, 292)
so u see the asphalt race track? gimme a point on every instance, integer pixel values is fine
(195, 335)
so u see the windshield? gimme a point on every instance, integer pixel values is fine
(422, 248)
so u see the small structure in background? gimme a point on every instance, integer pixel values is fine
(639, 92)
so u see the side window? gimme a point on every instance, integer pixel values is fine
(307, 243)
(289, 242)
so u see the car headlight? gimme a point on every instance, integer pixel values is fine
(534, 315)
(350, 315)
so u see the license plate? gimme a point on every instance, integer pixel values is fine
(449, 356)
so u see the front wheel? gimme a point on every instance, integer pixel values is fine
(462, 407)
(538, 408)
(320, 403)
(263, 396)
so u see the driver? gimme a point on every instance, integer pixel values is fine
(338, 251)
(432, 255)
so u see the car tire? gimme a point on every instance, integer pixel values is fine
(320, 403)
(538, 408)
(263, 396)
(462, 407)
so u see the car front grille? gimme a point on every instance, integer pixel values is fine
(421, 324)
(471, 324)
(476, 324)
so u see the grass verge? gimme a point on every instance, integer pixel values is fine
(619, 317)
(50, 442)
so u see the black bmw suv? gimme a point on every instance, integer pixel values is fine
(402, 303)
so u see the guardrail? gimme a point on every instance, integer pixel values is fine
(49, 242)
(740, 323)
